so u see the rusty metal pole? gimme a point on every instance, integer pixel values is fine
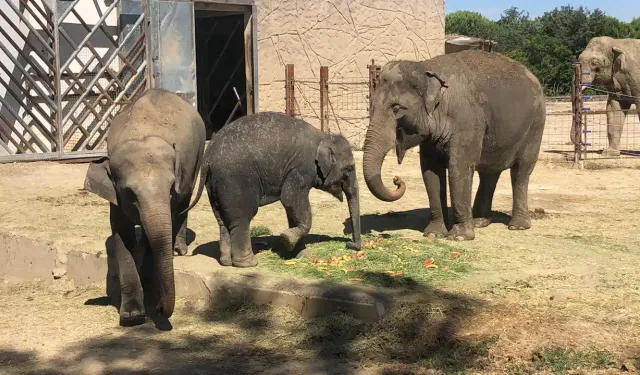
(374, 79)
(324, 98)
(577, 103)
(289, 88)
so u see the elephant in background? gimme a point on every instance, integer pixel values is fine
(614, 64)
(155, 148)
(468, 111)
(268, 157)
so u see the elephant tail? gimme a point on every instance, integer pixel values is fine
(204, 176)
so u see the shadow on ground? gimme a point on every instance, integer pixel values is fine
(415, 220)
(234, 337)
(274, 243)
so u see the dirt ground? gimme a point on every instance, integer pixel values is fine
(570, 282)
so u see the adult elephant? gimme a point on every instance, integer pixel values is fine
(155, 148)
(614, 64)
(471, 110)
(268, 157)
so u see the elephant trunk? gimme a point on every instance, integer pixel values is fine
(380, 139)
(156, 222)
(353, 200)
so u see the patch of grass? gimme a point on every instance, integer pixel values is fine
(453, 357)
(560, 361)
(260, 231)
(390, 261)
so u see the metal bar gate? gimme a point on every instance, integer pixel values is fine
(66, 68)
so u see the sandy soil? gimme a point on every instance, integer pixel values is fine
(571, 281)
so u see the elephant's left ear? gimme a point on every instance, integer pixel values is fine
(326, 157)
(98, 180)
(619, 60)
(436, 87)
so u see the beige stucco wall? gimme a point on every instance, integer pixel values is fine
(343, 35)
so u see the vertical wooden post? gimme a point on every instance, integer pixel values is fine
(289, 88)
(324, 98)
(577, 104)
(374, 79)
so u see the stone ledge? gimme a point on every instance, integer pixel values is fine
(24, 259)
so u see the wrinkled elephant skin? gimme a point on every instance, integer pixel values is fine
(468, 111)
(614, 64)
(154, 151)
(265, 157)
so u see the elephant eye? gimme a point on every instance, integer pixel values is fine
(349, 169)
(396, 108)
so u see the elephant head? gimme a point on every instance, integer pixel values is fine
(601, 60)
(142, 182)
(406, 110)
(336, 170)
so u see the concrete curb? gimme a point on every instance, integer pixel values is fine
(24, 259)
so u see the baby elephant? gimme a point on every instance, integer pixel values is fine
(262, 158)
(155, 148)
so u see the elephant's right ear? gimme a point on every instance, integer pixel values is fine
(619, 60)
(98, 180)
(436, 88)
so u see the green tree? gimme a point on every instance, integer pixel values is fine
(470, 24)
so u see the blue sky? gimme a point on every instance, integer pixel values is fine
(624, 10)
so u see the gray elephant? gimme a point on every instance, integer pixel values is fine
(155, 148)
(471, 110)
(614, 64)
(265, 157)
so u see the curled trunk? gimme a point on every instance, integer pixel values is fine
(156, 222)
(379, 141)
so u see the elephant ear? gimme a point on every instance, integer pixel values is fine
(326, 157)
(98, 180)
(436, 87)
(619, 60)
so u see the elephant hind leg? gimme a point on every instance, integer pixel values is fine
(520, 174)
(241, 251)
(225, 236)
(484, 199)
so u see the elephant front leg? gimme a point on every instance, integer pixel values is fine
(460, 182)
(131, 294)
(179, 226)
(484, 199)
(434, 174)
(295, 200)
(616, 116)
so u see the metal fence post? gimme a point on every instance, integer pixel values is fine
(324, 98)
(289, 90)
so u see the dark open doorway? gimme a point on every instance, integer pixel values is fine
(222, 43)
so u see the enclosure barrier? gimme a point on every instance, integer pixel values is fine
(575, 128)
(68, 69)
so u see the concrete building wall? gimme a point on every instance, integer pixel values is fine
(343, 35)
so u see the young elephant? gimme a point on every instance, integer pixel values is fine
(155, 148)
(262, 158)
(469, 111)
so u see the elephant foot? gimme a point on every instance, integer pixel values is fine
(461, 233)
(245, 261)
(225, 260)
(481, 222)
(611, 153)
(290, 239)
(435, 229)
(520, 223)
(131, 312)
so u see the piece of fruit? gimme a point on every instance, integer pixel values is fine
(356, 280)
(428, 262)
(455, 254)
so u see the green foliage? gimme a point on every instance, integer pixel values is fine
(470, 24)
(546, 44)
